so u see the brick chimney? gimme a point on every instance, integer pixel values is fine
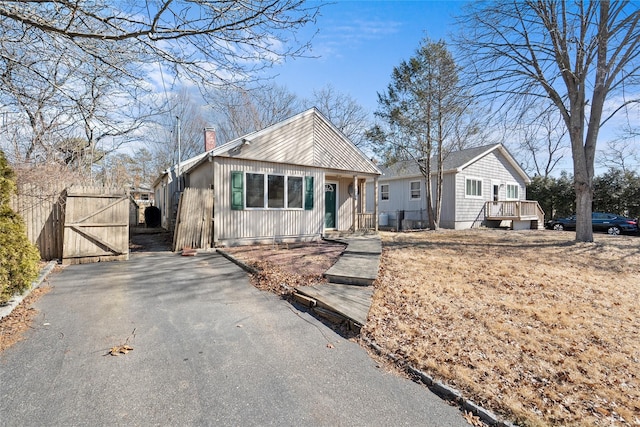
(209, 139)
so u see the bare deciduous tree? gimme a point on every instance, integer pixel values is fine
(576, 54)
(619, 154)
(163, 138)
(90, 62)
(241, 111)
(343, 111)
(542, 143)
(207, 41)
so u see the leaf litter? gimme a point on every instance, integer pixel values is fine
(122, 348)
(531, 325)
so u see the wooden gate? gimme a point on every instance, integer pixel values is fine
(96, 225)
(194, 220)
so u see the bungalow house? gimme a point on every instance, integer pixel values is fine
(481, 186)
(291, 181)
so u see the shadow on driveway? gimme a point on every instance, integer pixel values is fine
(208, 349)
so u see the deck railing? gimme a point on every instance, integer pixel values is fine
(514, 209)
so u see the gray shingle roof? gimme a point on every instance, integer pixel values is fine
(453, 161)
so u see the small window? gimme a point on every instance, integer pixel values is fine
(384, 192)
(473, 187)
(512, 191)
(255, 190)
(415, 190)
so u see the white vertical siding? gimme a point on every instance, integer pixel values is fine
(344, 214)
(232, 227)
(288, 143)
(306, 139)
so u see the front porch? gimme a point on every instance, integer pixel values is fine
(523, 214)
(345, 204)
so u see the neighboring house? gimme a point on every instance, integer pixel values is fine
(143, 196)
(481, 186)
(292, 181)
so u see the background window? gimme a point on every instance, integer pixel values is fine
(255, 190)
(294, 192)
(275, 191)
(474, 187)
(415, 190)
(384, 192)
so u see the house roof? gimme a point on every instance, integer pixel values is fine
(454, 162)
(307, 139)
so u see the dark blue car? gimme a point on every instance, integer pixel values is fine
(611, 223)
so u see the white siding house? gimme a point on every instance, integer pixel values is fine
(472, 178)
(291, 181)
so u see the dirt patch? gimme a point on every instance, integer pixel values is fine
(142, 239)
(532, 325)
(13, 326)
(285, 266)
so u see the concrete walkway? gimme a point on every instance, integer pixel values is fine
(359, 262)
(348, 294)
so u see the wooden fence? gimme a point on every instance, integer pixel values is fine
(194, 223)
(76, 224)
(42, 209)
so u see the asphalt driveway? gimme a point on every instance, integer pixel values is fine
(208, 349)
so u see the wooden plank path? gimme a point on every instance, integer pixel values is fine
(349, 301)
(348, 293)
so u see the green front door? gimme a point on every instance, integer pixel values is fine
(330, 192)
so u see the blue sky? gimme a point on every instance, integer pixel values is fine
(359, 42)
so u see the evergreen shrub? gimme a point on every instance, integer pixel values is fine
(19, 258)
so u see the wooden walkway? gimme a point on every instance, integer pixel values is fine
(348, 294)
(347, 301)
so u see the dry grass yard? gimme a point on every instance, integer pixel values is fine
(532, 325)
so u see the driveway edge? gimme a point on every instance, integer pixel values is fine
(442, 390)
(6, 309)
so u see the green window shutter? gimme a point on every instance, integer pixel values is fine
(308, 193)
(237, 190)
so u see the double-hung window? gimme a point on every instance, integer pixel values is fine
(512, 191)
(384, 192)
(415, 190)
(473, 187)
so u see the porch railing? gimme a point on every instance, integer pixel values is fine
(365, 221)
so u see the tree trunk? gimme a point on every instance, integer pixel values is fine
(583, 180)
(584, 200)
(429, 196)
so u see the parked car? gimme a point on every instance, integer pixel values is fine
(600, 221)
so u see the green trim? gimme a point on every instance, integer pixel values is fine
(308, 193)
(237, 190)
